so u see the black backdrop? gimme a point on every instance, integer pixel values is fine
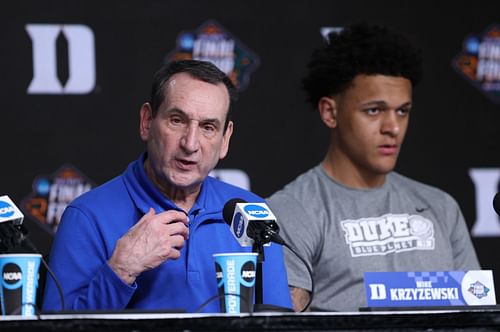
(453, 130)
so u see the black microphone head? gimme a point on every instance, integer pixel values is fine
(496, 203)
(11, 237)
(228, 211)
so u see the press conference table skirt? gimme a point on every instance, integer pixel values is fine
(421, 320)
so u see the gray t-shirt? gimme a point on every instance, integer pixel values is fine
(343, 232)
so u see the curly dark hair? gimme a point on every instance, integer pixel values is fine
(360, 49)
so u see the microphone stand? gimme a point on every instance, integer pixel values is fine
(263, 233)
(259, 249)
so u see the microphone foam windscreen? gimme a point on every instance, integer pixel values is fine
(229, 207)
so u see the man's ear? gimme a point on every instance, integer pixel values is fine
(146, 117)
(328, 111)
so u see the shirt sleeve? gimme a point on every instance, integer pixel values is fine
(301, 233)
(464, 255)
(79, 261)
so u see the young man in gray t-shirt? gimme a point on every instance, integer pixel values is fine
(352, 214)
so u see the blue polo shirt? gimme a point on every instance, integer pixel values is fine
(92, 223)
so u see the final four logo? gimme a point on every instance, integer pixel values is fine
(211, 42)
(479, 290)
(479, 62)
(51, 194)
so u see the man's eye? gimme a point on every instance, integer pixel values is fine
(372, 111)
(175, 120)
(403, 111)
(209, 128)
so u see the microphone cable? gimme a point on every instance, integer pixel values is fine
(12, 236)
(26, 241)
(275, 237)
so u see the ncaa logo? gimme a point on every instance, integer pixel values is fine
(248, 272)
(6, 210)
(256, 211)
(238, 225)
(12, 276)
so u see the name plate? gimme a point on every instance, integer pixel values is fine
(414, 289)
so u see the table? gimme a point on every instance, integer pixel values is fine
(421, 320)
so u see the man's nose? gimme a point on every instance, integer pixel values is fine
(190, 140)
(390, 123)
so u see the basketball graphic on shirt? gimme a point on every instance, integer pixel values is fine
(421, 227)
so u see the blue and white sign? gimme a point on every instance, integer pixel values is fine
(255, 211)
(413, 289)
(9, 211)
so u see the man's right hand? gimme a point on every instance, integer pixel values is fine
(153, 240)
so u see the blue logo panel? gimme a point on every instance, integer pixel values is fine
(6, 210)
(256, 211)
(238, 225)
(412, 289)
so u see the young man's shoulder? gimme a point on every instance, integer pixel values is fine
(404, 183)
(303, 183)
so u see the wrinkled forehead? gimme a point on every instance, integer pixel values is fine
(192, 95)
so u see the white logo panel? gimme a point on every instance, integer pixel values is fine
(389, 233)
(486, 182)
(81, 59)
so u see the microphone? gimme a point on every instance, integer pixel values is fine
(13, 233)
(496, 203)
(11, 219)
(251, 223)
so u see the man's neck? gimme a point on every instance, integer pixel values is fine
(342, 170)
(183, 198)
